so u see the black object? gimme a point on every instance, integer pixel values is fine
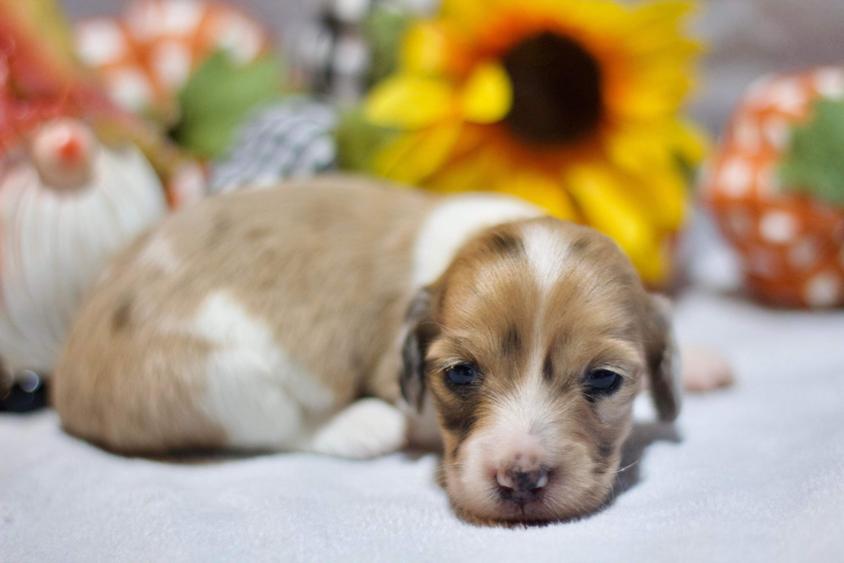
(27, 393)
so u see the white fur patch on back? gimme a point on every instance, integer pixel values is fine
(453, 222)
(546, 251)
(259, 395)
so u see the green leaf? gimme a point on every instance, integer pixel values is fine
(219, 95)
(814, 162)
(358, 140)
(383, 29)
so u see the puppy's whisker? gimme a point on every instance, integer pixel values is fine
(628, 466)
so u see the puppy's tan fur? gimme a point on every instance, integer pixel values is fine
(330, 271)
(488, 308)
(325, 264)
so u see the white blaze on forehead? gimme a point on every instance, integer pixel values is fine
(527, 409)
(546, 251)
(456, 220)
(525, 416)
(258, 394)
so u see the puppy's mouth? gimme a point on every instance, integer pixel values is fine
(531, 503)
(518, 512)
(521, 504)
(509, 512)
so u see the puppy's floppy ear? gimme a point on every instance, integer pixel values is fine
(419, 330)
(663, 358)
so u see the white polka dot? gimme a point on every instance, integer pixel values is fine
(144, 20)
(803, 254)
(830, 82)
(757, 93)
(130, 88)
(100, 42)
(740, 223)
(788, 96)
(171, 61)
(777, 132)
(778, 227)
(181, 17)
(239, 37)
(822, 290)
(736, 177)
(747, 135)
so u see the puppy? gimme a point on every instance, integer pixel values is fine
(345, 318)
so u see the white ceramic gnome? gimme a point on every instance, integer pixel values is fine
(67, 203)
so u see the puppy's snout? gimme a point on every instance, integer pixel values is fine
(522, 486)
(522, 476)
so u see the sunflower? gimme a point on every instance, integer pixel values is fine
(571, 104)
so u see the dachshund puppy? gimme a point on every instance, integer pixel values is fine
(341, 317)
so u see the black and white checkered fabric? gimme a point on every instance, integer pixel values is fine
(291, 139)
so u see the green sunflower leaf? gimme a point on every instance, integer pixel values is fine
(383, 30)
(358, 140)
(219, 95)
(814, 162)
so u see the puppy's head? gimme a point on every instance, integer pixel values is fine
(532, 346)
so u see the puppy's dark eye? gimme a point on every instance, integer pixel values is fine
(601, 382)
(462, 374)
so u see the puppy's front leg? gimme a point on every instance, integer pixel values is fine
(366, 428)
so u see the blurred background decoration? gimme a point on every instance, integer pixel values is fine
(68, 197)
(777, 187)
(194, 69)
(576, 105)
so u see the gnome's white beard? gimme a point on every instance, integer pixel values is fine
(54, 243)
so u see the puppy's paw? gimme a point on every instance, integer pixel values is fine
(705, 370)
(365, 429)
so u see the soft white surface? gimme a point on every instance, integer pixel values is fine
(757, 476)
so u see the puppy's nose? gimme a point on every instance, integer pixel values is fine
(515, 483)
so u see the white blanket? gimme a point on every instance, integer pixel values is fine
(757, 475)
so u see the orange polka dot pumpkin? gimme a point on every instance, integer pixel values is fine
(791, 244)
(148, 55)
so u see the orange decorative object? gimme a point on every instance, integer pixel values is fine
(148, 55)
(791, 245)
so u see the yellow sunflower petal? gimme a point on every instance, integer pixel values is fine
(425, 48)
(409, 101)
(475, 170)
(691, 143)
(664, 196)
(605, 207)
(661, 16)
(411, 158)
(540, 190)
(487, 95)
(594, 15)
(636, 149)
(653, 94)
(467, 15)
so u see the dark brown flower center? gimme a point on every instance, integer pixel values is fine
(556, 90)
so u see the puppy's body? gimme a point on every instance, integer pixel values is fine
(252, 319)
(296, 318)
